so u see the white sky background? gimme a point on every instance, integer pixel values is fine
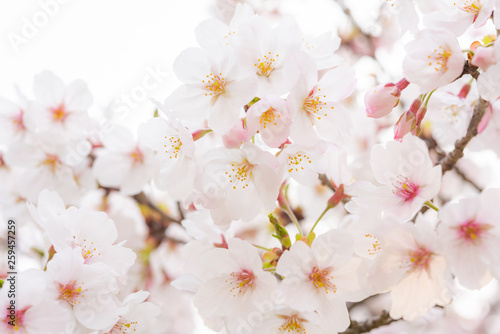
(111, 44)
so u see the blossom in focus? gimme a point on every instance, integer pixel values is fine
(321, 278)
(469, 232)
(433, 59)
(215, 87)
(412, 266)
(406, 175)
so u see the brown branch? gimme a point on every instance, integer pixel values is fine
(141, 198)
(469, 69)
(324, 181)
(448, 162)
(363, 327)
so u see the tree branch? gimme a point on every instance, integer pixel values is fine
(363, 327)
(449, 161)
(324, 181)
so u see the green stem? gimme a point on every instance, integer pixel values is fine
(328, 207)
(432, 206)
(264, 248)
(428, 98)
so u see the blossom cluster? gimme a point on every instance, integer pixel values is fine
(260, 190)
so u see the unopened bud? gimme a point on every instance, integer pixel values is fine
(407, 123)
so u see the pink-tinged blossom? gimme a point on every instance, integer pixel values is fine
(12, 122)
(123, 163)
(91, 233)
(238, 282)
(433, 59)
(458, 15)
(215, 87)
(34, 313)
(469, 231)
(406, 175)
(239, 183)
(59, 112)
(271, 118)
(45, 167)
(88, 290)
(321, 278)
(412, 267)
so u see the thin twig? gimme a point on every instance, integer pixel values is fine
(363, 327)
(324, 180)
(141, 198)
(449, 162)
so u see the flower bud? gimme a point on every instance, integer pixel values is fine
(407, 123)
(384, 98)
(381, 100)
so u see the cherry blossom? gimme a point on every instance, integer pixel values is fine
(468, 231)
(433, 59)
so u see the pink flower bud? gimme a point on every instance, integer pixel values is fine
(484, 58)
(382, 100)
(407, 123)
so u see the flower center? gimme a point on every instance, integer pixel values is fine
(296, 160)
(59, 113)
(451, 113)
(405, 189)
(52, 161)
(419, 259)
(470, 6)
(173, 146)
(241, 282)
(239, 173)
(215, 85)
(136, 156)
(70, 292)
(439, 59)
(121, 327)
(88, 250)
(18, 320)
(269, 116)
(472, 231)
(375, 245)
(321, 279)
(17, 121)
(266, 65)
(313, 106)
(292, 324)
